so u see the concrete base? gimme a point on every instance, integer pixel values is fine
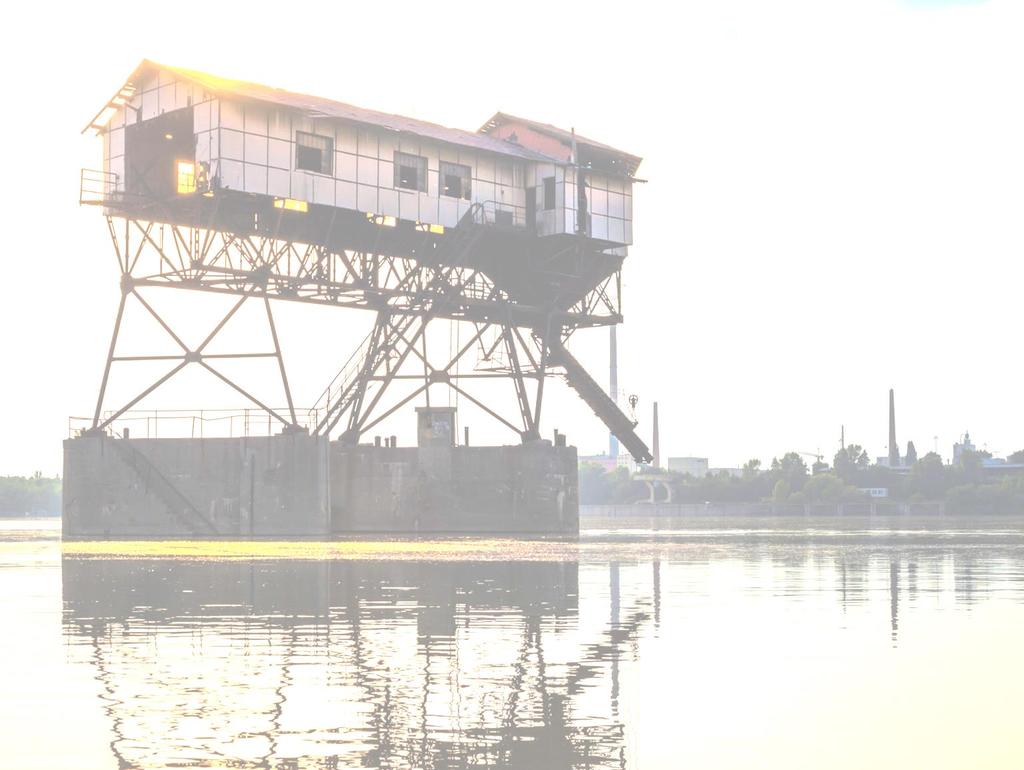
(528, 488)
(302, 486)
(231, 487)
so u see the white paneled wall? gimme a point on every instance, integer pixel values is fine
(257, 154)
(251, 147)
(611, 208)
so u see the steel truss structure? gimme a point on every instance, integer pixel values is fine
(434, 279)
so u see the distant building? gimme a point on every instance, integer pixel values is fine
(694, 466)
(1000, 464)
(875, 492)
(736, 473)
(884, 462)
(963, 445)
(610, 463)
(987, 463)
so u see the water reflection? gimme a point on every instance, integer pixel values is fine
(636, 653)
(327, 664)
(894, 596)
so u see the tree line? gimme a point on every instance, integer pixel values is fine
(965, 488)
(35, 495)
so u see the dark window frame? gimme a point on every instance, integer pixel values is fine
(306, 144)
(418, 163)
(550, 192)
(464, 175)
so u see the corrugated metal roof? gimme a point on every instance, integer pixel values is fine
(558, 133)
(316, 106)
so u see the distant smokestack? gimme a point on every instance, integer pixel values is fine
(654, 439)
(894, 449)
(613, 384)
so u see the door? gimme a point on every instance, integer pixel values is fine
(531, 209)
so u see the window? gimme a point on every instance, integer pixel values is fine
(549, 193)
(455, 180)
(410, 172)
(185, 171)
(314, 153)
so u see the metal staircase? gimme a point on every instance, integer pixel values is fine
(593, 394)
(343, 389)
(157, 484)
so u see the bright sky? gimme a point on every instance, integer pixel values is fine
(834, 203)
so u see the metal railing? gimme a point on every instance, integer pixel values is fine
(97, 187)
(341, 386)
(495, 213)
(191, 423)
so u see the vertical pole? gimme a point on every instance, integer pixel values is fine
(655, 443)
(894, 450)
(110, 354)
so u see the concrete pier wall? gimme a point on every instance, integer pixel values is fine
(302, 486)
(267, 486)
(528, 488)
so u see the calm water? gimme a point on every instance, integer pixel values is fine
(723, 644)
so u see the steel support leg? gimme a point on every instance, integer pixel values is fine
(110, 359)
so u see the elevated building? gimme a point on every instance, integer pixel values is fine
(517, 231)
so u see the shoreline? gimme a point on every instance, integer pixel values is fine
(771, 510)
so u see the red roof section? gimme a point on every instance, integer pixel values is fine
(564, 137)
